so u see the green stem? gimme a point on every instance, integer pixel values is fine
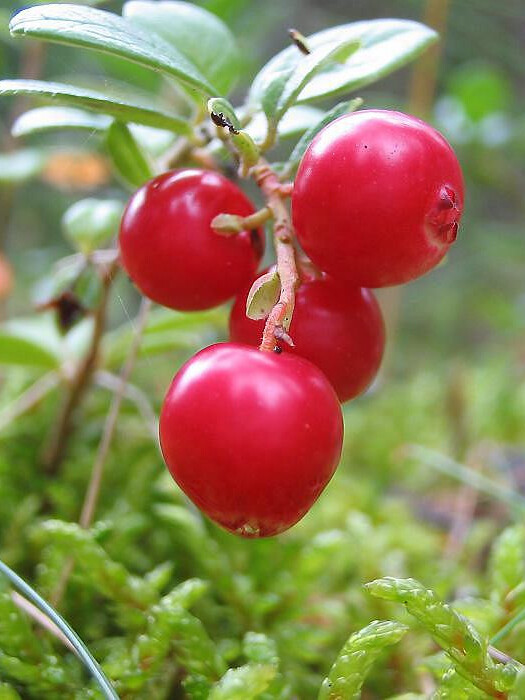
(466, 475)
(519, 617)
(78, 645)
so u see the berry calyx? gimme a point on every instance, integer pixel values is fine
(377, 198)
(337, 327)
(251, 437)
(170, 250)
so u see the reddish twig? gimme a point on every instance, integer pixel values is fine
(283, 235)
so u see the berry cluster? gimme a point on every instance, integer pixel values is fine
(252, 436)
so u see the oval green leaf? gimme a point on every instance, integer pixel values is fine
(198, 34)
(220, 105)
(30, 342)
(88, 27)
(385, 45)
(263, 295)
(305, 71)
(21, 165)
(42, 119)
(90, 223)
(94, 101)
(166, 331)
(130, 162)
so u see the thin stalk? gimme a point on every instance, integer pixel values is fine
(35, 614)
(283, 237)
(228, 224)
(511, 624)
(93, 491)
(78, 645)
(466, 475)
(80, 383)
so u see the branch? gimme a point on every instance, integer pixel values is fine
(93, 492)
(280, 316)
(57, 447)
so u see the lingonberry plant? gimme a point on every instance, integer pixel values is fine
(251, 429)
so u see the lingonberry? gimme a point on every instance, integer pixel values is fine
(251, 437)
(377, 198)
(171, 252)
(338, 328)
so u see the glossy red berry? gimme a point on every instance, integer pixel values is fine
(338, 328)
(169, 249)
(251, 437)
(377, 198)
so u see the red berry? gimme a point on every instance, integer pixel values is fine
(251, 437)
(338, 328)
(169, 249)
(377, 198)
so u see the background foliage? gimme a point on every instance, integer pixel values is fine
(431, 485)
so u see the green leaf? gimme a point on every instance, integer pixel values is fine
(94, 101)
(243, 683)
(247, 150)
(199, 35)
(103, 31)
(129, 161)
(155, 142)
(263, 295)
(305, 140)
(385, 45)
(90, 223)
(44, 119)
(21, 165)
(356, 658)
(296, 120)
(30, 341)
(305, 71)
(219, 105)
(166, 331)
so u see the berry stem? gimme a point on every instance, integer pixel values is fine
(227, 224)
(283, 236)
